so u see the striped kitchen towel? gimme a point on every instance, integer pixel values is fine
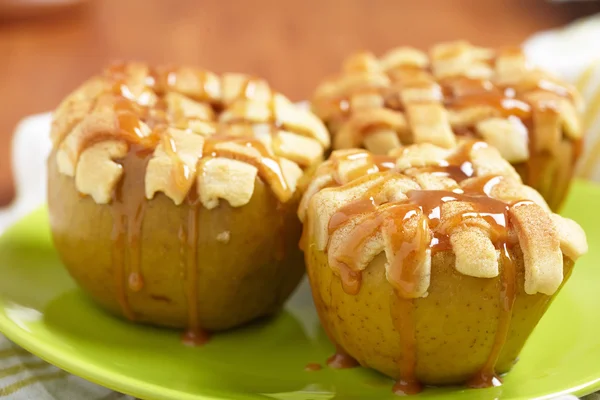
(25, 377)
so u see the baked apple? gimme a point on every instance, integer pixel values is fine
(173, 194)
(458, 90)
(432, 265)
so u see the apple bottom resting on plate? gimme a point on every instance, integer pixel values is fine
(173, 194)
(432, 266)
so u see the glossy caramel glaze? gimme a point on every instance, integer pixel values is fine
(390, 248)
(341, 360)
(424, 208)
(373, 163)
(128, 205)
(268, 165)
(311, 367)
(134, 111)
(487, 376)
(188, 234)
(403, 318)
(143, 120)
(467, 91)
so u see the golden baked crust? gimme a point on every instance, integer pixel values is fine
(407, 96)
(422, 199)
(194, 129)
(457, 90)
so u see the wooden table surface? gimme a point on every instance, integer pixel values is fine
(291, 43)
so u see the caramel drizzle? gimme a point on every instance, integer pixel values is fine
(487, 376)
(128, 203)
(180, 172)
(409, 252)
(374, 163)
(341, 360)
(128, 208)
(402, 313)
(511, 102)
(269, 166)
(458, 92)
(132, 110)
(462, 92)
(188, 236)
(311, 367)
(136, 281)
(119, 243)
(458, 166)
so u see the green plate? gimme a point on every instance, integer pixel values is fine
(43, 311)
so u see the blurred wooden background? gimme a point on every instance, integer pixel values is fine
(292, 43)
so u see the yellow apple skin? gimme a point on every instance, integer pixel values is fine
(455, 325)
(249, 276)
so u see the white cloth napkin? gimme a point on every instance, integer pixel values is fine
(30, 148)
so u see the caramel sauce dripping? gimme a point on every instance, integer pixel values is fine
(409, 252)
(341, 360)
(487, 376)
(118, 256)
(134, 233)
(268, 166)
(384, 163)
(160, 80)
(143, 126)
(128, 207)
(311, 367)
(188, 236)
(458, 166)
(180, 172)
(350, 274)
(458, 86)
(279, 247)
(506, 106)
(462, 92)
(339, 107)
(510, 102)
(129, 201)
(341, 216)
(129, 128)
(373, 164)
(402, 310)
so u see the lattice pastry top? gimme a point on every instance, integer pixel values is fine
(194, 128)
(407, 96)
(423, 198)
